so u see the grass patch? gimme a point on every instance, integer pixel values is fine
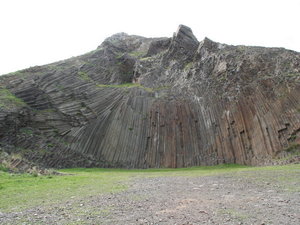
(9, 100)
(137, 54)
(285, 177)
(146, 58)
(188, 66)
(126, 85)
(120, 55)
(84, 76)
(293, 147)
(293, 75)
(4, 169)
(27, 131)
(21, 191)
(161, 88)
(131, 85)
(45, 111)
(234, 213)
(16, 73)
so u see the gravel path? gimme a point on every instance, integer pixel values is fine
(226, 199)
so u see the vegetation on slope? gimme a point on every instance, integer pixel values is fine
(9, 100)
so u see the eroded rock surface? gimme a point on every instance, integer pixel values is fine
(140, 102)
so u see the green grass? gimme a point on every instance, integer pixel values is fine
(286, 178)
(16, 73)
(26, 130)
(84, 76)
(293, 75)
(21, 191)
(131, 85)
(146, 58)
(126, 85)
(234, 213)
(188, 66)
(137, 54)
(293, 148)
(45, 111)
(9, 100)
(4, 169)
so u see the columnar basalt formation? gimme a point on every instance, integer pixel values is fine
(140, 102)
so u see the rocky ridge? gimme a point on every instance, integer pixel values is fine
(140, 102)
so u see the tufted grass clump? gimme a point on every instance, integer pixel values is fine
(125, 85)
(9, 100)
(293, 147)
(84, 76)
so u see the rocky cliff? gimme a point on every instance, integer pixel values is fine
(140, 102)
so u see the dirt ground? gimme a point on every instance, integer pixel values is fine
(249, 198)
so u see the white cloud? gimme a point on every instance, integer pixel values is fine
(35, 32)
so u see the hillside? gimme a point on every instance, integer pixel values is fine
(138, 102)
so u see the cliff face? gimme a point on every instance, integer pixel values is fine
(155, 102)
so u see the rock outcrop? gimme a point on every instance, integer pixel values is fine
(140, 102)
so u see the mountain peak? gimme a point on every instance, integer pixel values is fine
(185, 33)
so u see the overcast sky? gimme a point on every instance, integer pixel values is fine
(36, 32)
